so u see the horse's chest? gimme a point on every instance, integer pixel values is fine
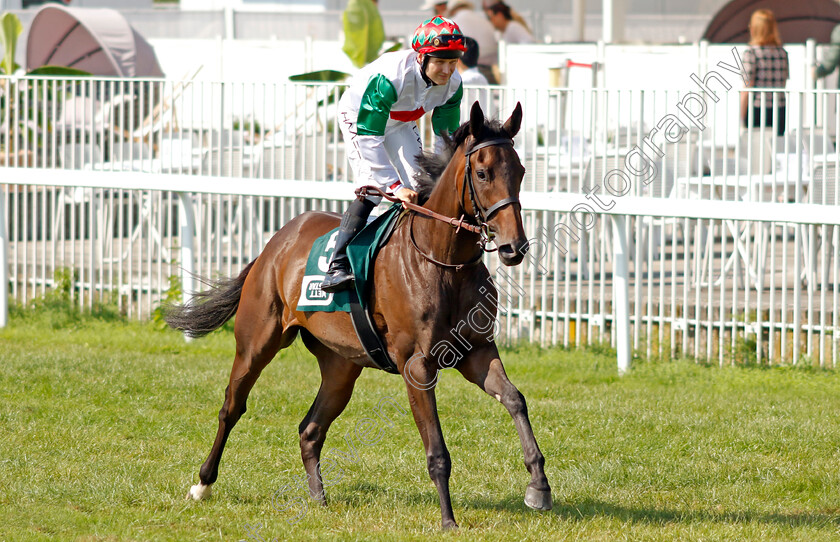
(438, 315)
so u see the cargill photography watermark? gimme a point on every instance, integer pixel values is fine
(293, 498)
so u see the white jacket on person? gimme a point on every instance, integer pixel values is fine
(389, 93)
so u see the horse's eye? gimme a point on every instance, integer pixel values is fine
(481, 175)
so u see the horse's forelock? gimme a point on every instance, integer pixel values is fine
(492, 129)
(431, 166)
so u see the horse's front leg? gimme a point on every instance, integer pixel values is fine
(420, 379)
(484, 369)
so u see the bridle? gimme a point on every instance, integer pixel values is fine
(482, 215)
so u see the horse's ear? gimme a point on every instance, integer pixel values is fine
(476, 120)
(512, 125)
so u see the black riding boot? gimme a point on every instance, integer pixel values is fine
(339, 275)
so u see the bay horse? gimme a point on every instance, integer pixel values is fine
(427, 279)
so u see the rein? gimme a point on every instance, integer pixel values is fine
(482, 214)
(455, 266)
(456, 223)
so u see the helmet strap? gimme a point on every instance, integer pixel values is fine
(423, 64)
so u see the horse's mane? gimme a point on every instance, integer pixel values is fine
(432, 165)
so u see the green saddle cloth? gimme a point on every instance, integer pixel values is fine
(361, 251)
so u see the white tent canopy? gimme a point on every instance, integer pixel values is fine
(99, 41)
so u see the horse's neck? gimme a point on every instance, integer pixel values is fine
(437, 237)
(446, 197)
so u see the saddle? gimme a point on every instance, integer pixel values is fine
(361, 252)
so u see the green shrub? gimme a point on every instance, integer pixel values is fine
(173, 295)
(58, 308)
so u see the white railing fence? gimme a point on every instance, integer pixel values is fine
(731, 252)
(290, 130)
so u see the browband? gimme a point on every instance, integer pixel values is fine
(500, 141)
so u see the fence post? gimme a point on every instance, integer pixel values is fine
(230, 24)
(4, 261)
(186, 222)
(810, 82)
(621, 293)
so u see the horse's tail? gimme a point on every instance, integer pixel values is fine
(210, 309)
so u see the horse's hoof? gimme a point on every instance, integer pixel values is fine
(199, 492)
(450, 526)
(538, 499)
(319, 498)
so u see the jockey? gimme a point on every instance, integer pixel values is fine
(377, 117)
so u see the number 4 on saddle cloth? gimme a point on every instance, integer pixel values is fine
(361, 252)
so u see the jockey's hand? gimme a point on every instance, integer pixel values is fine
(406, 194)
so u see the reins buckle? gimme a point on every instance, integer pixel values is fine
(485, 235)
(457, 223)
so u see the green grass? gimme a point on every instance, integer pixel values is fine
(104, 424)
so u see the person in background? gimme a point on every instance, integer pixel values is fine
(467, 67)
(832, 57)
(439, 6)
(363, 31)
(511, 25)
(474, 25)
(468, 64)
(766, 66)
(377, 115)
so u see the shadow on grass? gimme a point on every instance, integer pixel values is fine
(587, 509)
(358, 493)
(367, 492)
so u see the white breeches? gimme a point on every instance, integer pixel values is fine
(401, 146)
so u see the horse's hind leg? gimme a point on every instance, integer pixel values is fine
(485, 369)
(338, 377)
(258, 339)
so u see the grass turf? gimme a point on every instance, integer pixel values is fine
(103, 426)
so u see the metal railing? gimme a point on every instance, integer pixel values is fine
(731, 246)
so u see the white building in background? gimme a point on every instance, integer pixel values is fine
(279, 5)
(591, 7)
(6, 5)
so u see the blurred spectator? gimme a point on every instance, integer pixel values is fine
(766, 64)
(468, 68)
(510, 24)
(439, 6)
(476, 26)
(363, 31)
(468, 64)
(832, 57)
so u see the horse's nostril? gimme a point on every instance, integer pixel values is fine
(506, 250)
(509, 255)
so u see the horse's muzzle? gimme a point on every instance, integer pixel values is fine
(513, 253)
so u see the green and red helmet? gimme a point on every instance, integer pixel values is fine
(439, 37)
